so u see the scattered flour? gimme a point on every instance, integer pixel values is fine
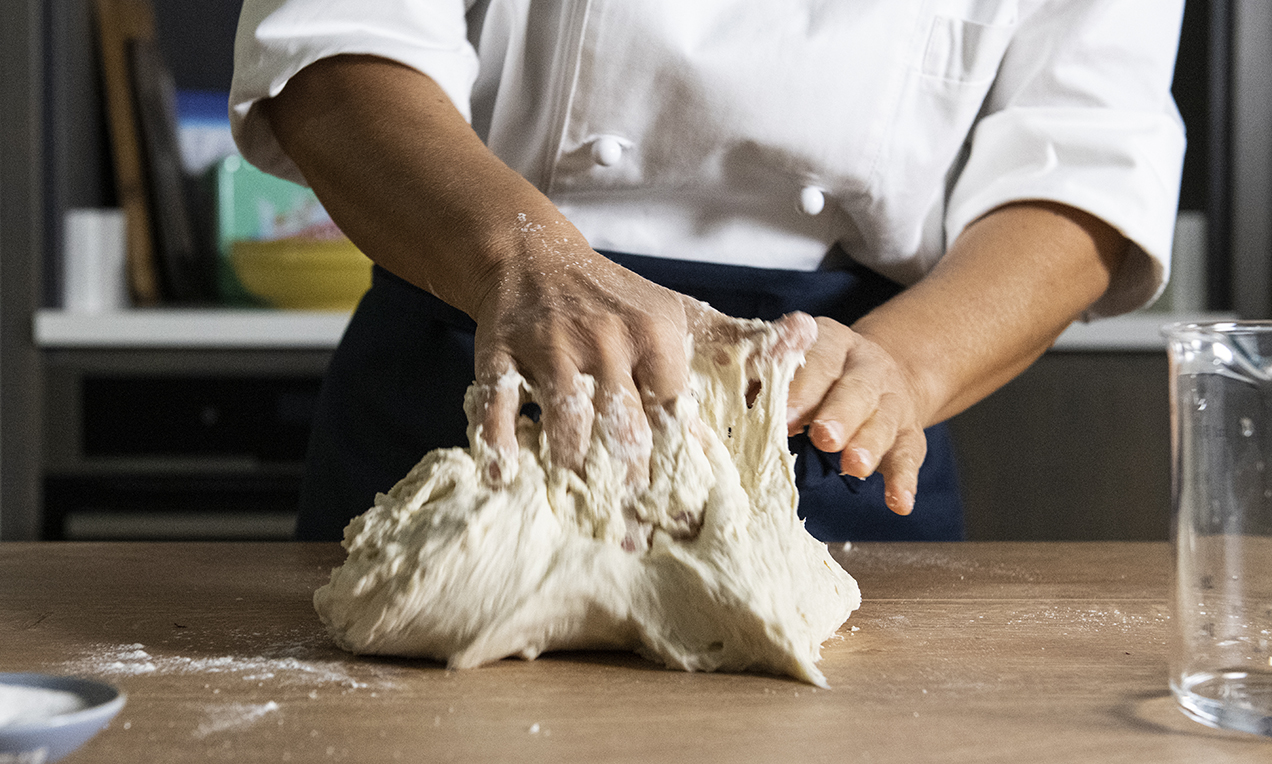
(233, 716)
(279, 671)
(20, 704)
(1081, 620)
(134, 660)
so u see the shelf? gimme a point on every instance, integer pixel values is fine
(225, 328)
(210, 328)
(1133, 332)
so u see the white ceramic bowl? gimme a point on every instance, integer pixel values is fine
(51, 738)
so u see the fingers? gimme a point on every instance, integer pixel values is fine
(796, 333)
(566, 400)
(496, 403)
(620, 422)
(572, 404)
(624, 430)
(661, 369)
(900, 468)
(823, 365)
(852, 397)
(576, 407)
(603, 379)
(886, 444)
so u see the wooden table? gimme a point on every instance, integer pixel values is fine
(961, 653)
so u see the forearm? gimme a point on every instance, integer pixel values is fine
(1008, 287)
(404, 175)
(408, 180)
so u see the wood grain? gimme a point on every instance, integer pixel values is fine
(976, 652)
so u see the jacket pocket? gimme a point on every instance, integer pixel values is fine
(964, 50)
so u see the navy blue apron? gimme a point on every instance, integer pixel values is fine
(395, 390)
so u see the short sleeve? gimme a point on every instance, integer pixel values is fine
(278, 38)
(1081, 114)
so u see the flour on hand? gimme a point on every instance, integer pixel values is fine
(706, 567)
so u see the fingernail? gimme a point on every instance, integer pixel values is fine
(857, 463)
(901, 502)
(791, 415)
(830, 433)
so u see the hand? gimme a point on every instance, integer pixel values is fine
(559, 311)
(857, 400)
(555, 310)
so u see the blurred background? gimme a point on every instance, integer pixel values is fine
(166, 311)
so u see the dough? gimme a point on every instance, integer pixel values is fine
(707, 567)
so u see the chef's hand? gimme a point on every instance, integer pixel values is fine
(555, 310)
(1009, 285)
(857, 401)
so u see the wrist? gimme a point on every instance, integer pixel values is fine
(523, 247)
(916, 370)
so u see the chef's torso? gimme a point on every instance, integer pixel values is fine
(775, 128)
(763, 132)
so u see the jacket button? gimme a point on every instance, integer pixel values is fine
(607, 151)
(812, 200)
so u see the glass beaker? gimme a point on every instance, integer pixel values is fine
(1221, 449)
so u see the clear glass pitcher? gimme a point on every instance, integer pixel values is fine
(1221, 431)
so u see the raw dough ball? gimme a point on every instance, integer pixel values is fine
(706, 568)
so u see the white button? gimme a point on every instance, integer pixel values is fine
(812, 200)
(607, 151)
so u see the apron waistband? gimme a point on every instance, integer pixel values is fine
(844, 294)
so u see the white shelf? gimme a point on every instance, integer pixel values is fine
(211, 328)
(1132, 332)
(226, 328)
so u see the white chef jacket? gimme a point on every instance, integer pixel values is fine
(762, 132)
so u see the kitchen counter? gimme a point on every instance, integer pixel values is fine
(220, 328)
(974, 652)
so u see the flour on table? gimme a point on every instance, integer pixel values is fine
(707, 567)
(233, 717)
(281, 666)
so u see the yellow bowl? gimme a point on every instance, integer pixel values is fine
(302, 274)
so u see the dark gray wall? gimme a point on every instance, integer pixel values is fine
(1077, 449)
(197, 40)
(1252, 160)
(20, 247)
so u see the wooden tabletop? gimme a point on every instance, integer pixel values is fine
(960, 653)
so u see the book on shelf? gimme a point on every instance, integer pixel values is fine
(184, 270)
(165, 259)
